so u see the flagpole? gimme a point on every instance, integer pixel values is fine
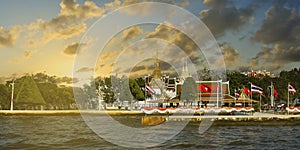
(251, 93)
(217, 95)
(272, 94)
(200, 92)
(12, 95)
(288, 100)
(251, 97)
(260, 101)
(145, 94)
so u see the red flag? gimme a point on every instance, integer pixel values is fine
(247, 91)
(205, 89)
(275, 93)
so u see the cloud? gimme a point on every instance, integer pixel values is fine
(167, 32)
(4, 79)
(223, 15)
(132, 32)
(281, 24)
(105, 62)
(276, 56)
(66, 80)
(112, 5)
(23, 57)
(85, 69)
(230, 55)
(144, 10)
(137, 69)
(183, 3)
(280, 32)
(147, 67)
(9, 37)
(70, 8)
(27, 53)
(108, 56)
(71, 49)
(69, 23)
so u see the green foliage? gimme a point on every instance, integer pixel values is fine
(238, 81)
(29, 93)
(125, 94)
(189, 90)
(136, 90)
(55, 96)
(4, 97)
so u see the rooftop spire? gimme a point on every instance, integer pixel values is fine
(185, 72)
(156, 73)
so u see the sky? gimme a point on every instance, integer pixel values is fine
(50, 36)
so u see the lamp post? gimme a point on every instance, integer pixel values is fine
(12, 95)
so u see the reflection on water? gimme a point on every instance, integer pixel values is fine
(70, 132)
(152, 120)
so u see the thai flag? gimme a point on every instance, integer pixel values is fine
(291, 89)
(237, 93)
(257, 89)
(149, 89)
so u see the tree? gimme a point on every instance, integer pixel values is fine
(49, 92)
(125, 94)
(4, 97)
(135, 89)
(81, 98)
(189, 90)
(205, 74)
(29, 93)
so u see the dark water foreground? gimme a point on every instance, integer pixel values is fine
(71, 132)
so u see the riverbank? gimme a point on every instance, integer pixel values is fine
(66, 112)
(257, 116)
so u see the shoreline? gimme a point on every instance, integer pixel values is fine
(257, 116)
(67, 112)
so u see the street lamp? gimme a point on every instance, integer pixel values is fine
(12, 94)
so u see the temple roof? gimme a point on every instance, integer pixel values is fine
(156, 73)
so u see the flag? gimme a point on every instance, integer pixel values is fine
(291, 89)
(236, 93)
(256, 89)
(149, 89)
(275, 93)
(204, 88)
(247, 91)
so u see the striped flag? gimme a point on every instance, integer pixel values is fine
(236, 93)
(291, 89)
(150, 90)
(257, 89)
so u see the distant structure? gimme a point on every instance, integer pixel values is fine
(258, 73)
(185, 72)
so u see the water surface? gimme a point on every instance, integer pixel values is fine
(71, 132)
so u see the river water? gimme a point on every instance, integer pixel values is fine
(71, 132)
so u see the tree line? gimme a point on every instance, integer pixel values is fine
(280, 83)
(41, 91)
